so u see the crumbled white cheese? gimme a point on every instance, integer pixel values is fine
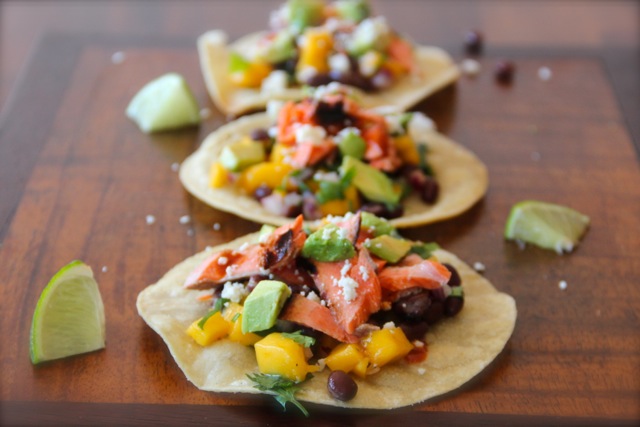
(309, 133)
(216, 226)
(326, 233)
(331, 88)
(275, 82)
(349, 287)
(339, 62)
(175, 166)
(273, 109)
(562, 247)
(394, 123)
(323, 303)
(184, 219)
(204, 113)
(223, 260)
(306, 73)
(342, 233)
(470, 67)
(419, 125)
(344, 132)
(389, 325)
(562, 285)
(372, 32)
(421, 371)
(364, 273)
(104, 269)
(234, 291)
(418, 343)
(345, 268)
(230, 269)
(478, 266)
(242, 247)
(150, 219)
(544, 73)
(326, 176)
(369, 63)
(313, 296)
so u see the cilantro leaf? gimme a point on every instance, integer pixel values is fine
(297, 336)
(329, 190)
(218, 306)
(282, 389)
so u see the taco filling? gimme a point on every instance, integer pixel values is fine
(298, 306)
(314, 43)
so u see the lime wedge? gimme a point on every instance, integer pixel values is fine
(164, 103)
(547, 225)
(69, 316)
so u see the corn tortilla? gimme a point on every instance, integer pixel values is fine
(458, 348)
(462, 177)
(436, 70)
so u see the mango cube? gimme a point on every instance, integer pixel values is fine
(233, 315)
(361, 368)
(315, 51)
(252, 76)
(267, 173)
(386, 345)
(217, 175)
(278, 355)
(345, 357)
(339, 207)
(407, 149)
(215, 328)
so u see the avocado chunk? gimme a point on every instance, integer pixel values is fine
(304, 13)
(281, 48)
(370, 34)
(239, 155)
(389, 248)
(376, 225)
(352, 10)
(425, 250)
(262, 306)
(328, 244)
(352, 144)
(372, 183)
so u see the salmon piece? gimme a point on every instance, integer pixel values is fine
(427, 274)
(291, 115)
(351, 287)
(309, 154)
(314, 315)
(351, 224)
(402, 51)
(279, 250)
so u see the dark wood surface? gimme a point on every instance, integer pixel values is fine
(77, 180)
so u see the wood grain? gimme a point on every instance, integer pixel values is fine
(77, 180)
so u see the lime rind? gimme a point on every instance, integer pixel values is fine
(69, 317)
(547, 225)
(164, 103)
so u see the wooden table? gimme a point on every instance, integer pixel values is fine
(77, 180)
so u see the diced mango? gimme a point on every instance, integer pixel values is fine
(278, 355)
(339, 207)
(345, 357)
(316, 49)
(407, 149)
(217, 175)
(265, 173)
(386, 345)
(215, 328)
(361, 368)
(233, 315)
(395, 67)
(252, 76)
(280, 152)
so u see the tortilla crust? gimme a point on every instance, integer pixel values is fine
(462, 177)
(437, 70)
(458, 348)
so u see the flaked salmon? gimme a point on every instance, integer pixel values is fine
(426, 274)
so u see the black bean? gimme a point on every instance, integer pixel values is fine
(261, 135)
(328, 114)
(431, 189)
(342, 386)
(261, 192)
(381, 210)
(415, 331)
(319, 79)
(289, 66)
(310, 207)
(413, 306)
(454, 280)
(504, 71)
(352, 78)
(453, 305)
(435, 312)
(473, 42)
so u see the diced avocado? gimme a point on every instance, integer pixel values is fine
(262, 306)
(281, 48)
(265, 232)
(370, 34)
(352, 145)
(237, 63)
(372, 183)
(424, 249)
(164, 103)
(328, 244)
(352, 10)
(237, 156)
(378, 226)
(389, 248)
(304, 13)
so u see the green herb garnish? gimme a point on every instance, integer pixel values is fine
(297, 336)
(282, 389)
(218, 306)
(330, 190)
(235, 317)
(424, 165)
(424, 249)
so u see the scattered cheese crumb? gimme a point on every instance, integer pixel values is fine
(216, 226)
(150, 219)
(175, 166)
(364, 273)
(421, 371)
(470, 67)
(223, 260)
(244, 246)
(275, 82)
(229, 270)
(205, 113)
(234, 291)
(184, 219)
(418, 343)
(104, 268)
(478, 266)
(544, 73)
(313, 296)
(389, 325)
(118, 57)
(562, 285)
(190, 232)
(309, 133)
